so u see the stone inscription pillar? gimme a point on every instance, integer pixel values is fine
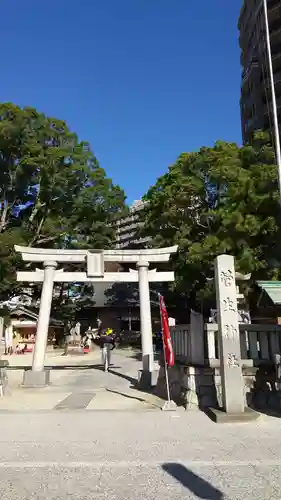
(229, 339)
(145, 319)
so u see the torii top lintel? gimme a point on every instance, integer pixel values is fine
(30, 254)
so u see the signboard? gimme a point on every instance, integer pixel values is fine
(95, 264)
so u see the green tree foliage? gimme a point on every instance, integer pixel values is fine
(53, 193)
(218, 200)
(98, 205)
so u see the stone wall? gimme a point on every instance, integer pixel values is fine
(200, 387)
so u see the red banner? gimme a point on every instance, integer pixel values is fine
(167, 341)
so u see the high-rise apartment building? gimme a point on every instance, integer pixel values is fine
(127, 228)
(256, 99)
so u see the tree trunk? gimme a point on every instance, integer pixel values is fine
(36, 207)
(3, 220)
(36, 236)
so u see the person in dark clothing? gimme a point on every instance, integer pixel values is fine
(107, 344)
(159, 342)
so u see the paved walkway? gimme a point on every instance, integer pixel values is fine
(53, 357)
(86, 387)
(53, 447)
(145, 455)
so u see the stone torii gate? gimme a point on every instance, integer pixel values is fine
(94, 261)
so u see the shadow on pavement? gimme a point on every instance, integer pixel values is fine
(128, 396)
(57, 367)
(132, 380)
(195, 484)
(134, 384)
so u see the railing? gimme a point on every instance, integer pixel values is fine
(258, 343)
(181, 342)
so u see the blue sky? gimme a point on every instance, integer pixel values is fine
(141, 80)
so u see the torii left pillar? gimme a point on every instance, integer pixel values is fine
(38, 376)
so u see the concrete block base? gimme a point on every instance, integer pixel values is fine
(219, 416)
(147, 379)
(32, 379)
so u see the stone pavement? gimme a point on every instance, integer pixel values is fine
(53, 357)
(137, 456)
(81, 387)
(53, 447)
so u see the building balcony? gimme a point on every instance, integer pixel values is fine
(253, 72)
(275, 37)
(274, 15)
(128, 227)
(134, 242)
(277, 80)
(268, 107)
(134, 216)
(276, 61)
(273, 10)
(127, 236)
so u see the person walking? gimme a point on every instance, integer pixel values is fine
(67, 337)
(107, 344)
